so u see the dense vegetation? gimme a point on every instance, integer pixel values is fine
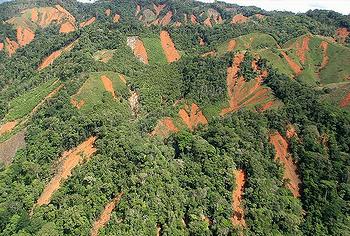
(183, 183)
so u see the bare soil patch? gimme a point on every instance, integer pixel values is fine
(24, 36)
(116, 18)
(239, 19)
(325, 60)
(345, 101)
(192, 116)
(108, 12)
(138, 10)
(231, 45)
(193, 19)
(88, 22)
(290, 168)
(207, 23)
(134, 102)
(342, 34)
(105, 215)
(7, 127)
(67, 27)
(295, 67)
(302, 48)
(170, 51)
(67, 163)
(166, 19)
(9, 148)
(1, 46)
(138, 48)
(11, 46)
(238, 212)
(165, 127)
(107, 83)
(209, 54)
(158, 8)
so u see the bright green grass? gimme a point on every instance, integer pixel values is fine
(275, 61)
(337, 92)
(154, 51)
(95, 95)
(24, 104)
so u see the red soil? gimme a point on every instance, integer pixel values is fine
(88, 22)
(107, 83)
(108, 12)
(1, 46)
(50, 15)
(239, 19)
(158, 8)
(165, 127)
(238, 213)
(138, 48)
(138, 10)
(209, 54)
(201, 42)
(11, 46)
(342, 34)
(267, 106)
(231, 45)
(193, 116)
(105, 215)
(255, 65)
(302, 48)
(290, 169)
(239, 95)
(77, 104)
(67, 27)
(194, 19)
(50, 59)
(167, 18)
(67, 163)
(325, 60)
(295, 67)
(8, 127)
(207, 22)
(24, 36)
(34, 15)
(345, 101)
(116, 18)
(169, 48)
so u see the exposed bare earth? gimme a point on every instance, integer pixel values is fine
(239, 19)
(290, 168)
(342, 34)
(11, 46)
(295, 67)
(325, 60)
(1, 46)
(67, 27)
(24, 36)
(134, 102)
(7, 127)
(9, 148)
(231, 45)
(88, 22)
(138, 48)
(107, 83)
(116, 18)
(302, 48)
(67, 163)
(170, 51)
(105, 215)
(165, 127)
(166, 19)
(53, 56)
(192, 116)
(345, 101)
(238, 212)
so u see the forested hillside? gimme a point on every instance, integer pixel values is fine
(169, 117)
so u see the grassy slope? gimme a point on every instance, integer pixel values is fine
(154, 50)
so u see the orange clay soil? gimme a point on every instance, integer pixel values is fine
(138, 10)
(105, 215)
(50, 59)
(291, 132)
(169, 48)
(239, 95)
(290, 169)
(164, 128)
(194, 19)
(238, 213)
(207, 22)
(345, 101)
(193, 116)
(167, 18)
(302, 48)
(11, 46)
(24, 36)
(108, 12)
(67, 163)
(231, 45)
(295, 67)
(138, 48)
(8, 127)
(88, 22)
(325, 60)
(342, 34)
(266, 106)
(67, 27)
(201, 42)
(116, 18)
(158, 8)
(77, 104)
(1, 46)
(107, 83)
(239, 19)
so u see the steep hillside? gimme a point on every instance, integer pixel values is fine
(172, 117)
